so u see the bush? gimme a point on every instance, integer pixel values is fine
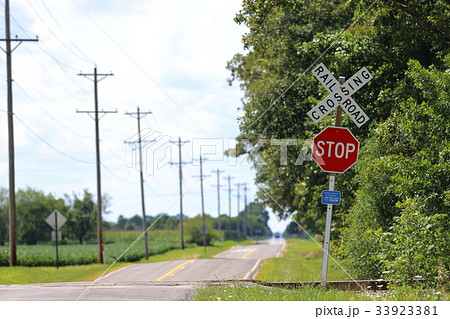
(193, 230)
(417, 247)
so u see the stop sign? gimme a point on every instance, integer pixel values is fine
(335, 149)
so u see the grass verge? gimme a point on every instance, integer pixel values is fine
(241, 292)
(301, 261)
(32, 275)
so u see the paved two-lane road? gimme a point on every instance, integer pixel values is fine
(169, 280)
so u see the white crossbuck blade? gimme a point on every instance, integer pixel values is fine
(340, 94)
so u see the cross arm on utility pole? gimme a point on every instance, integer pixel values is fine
(17, 40)
(138, 114)
(96, 75)
(137, 141)
(102, 111)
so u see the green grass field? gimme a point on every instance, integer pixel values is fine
(115, 244)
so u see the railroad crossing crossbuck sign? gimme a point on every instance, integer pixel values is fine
(340, 94)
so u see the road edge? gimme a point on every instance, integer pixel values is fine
(252, 272)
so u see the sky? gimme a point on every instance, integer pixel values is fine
(167, 57)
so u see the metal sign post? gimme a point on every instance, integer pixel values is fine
(326, 240)
(56, 220)
(56, 239)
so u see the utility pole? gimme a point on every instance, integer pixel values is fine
(326, 241)
(12, 185)
(245, 210)
(97, 150)
(138, 115)
(203, 230)
(218, 200)
(180, 170)
(238, 226)
(229, 204)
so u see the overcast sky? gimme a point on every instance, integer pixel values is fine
(167, 57)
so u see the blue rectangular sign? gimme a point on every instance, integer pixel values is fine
(331, 197)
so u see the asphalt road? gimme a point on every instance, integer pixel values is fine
(169, 280)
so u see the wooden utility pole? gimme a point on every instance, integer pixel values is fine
(12, 186)
(203, 230)
(326, 241)
(218, 171)
(245, 210)
(238, 224)
(138, 115)
(180, 174)
(97, 150)
(229, 178)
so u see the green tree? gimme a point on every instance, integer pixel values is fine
(82, 216)
(33, 207)
(399, 224)
(285, 38)
(192, 227)
(4, 215)
(121, 221)
(257, 219)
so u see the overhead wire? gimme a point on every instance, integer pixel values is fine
(116, 176)
(135, 62)
(49, 145)
(48, 115)
(87, 59)
(52, 77)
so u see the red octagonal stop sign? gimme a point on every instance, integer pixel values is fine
(335, 149)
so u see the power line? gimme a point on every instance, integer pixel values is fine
(136, 63)
(50, 116)
(49, 145)
(116, 176)
(86, 58)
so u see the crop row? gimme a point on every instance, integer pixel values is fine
(45, 255)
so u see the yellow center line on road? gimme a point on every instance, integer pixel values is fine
(181, 266)
(248, 253)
